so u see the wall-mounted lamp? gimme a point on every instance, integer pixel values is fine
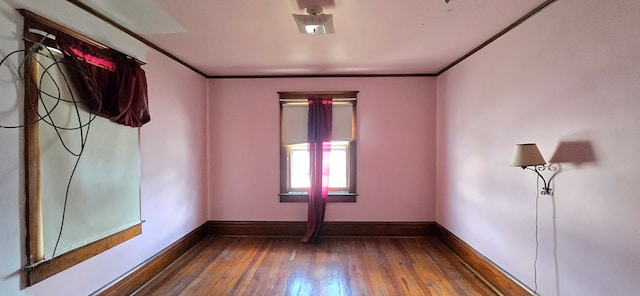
(527, 156)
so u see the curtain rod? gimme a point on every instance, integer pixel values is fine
(41, 26)
(334, 99)
(286, 95)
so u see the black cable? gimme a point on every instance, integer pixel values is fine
(47, 116)
(78, 155)
(21, 77)
(535, 260)
(66, 199)
(83, 142)
(31, 54)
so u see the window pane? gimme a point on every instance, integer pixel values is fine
(299, 166)
(338, 167)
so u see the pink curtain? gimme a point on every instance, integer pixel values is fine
(109, 84)
(319, 137)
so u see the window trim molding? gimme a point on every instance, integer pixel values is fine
(332, 197)
(287, 95)
(351, 196)
(45, 269)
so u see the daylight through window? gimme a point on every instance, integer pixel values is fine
(294, 150)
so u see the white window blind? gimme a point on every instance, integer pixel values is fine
(295, 119)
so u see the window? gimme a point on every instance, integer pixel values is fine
(298, 167)
(76, 207)
(294, 153)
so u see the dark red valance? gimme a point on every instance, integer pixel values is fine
(110, 84)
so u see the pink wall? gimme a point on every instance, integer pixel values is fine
(396, 132)
(172, 148)
(568, 74)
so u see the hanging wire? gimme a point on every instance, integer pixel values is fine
(535, 259)
(46, 117)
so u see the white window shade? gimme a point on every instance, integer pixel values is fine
(294, 123)
(295, 120)
(342, 122)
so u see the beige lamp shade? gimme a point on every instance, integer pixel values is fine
(527, 155)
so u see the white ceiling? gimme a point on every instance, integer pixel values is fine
(260, 37)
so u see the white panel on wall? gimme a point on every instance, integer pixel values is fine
(103, 196)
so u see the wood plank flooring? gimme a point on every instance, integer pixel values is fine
(332, 266)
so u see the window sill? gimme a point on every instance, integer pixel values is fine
(333, 197)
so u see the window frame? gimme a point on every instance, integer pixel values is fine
(37, 268)
(349, 195)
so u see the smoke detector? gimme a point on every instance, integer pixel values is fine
(314, 22)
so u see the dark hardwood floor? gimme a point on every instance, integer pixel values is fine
(332, 266)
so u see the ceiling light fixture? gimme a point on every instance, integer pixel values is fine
(314, 22)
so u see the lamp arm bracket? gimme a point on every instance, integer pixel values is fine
(546, 189)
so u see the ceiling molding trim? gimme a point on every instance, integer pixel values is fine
(496, 36)
(134, 35)
(173, 57)
(318, 76)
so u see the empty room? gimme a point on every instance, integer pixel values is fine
(319, 147)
